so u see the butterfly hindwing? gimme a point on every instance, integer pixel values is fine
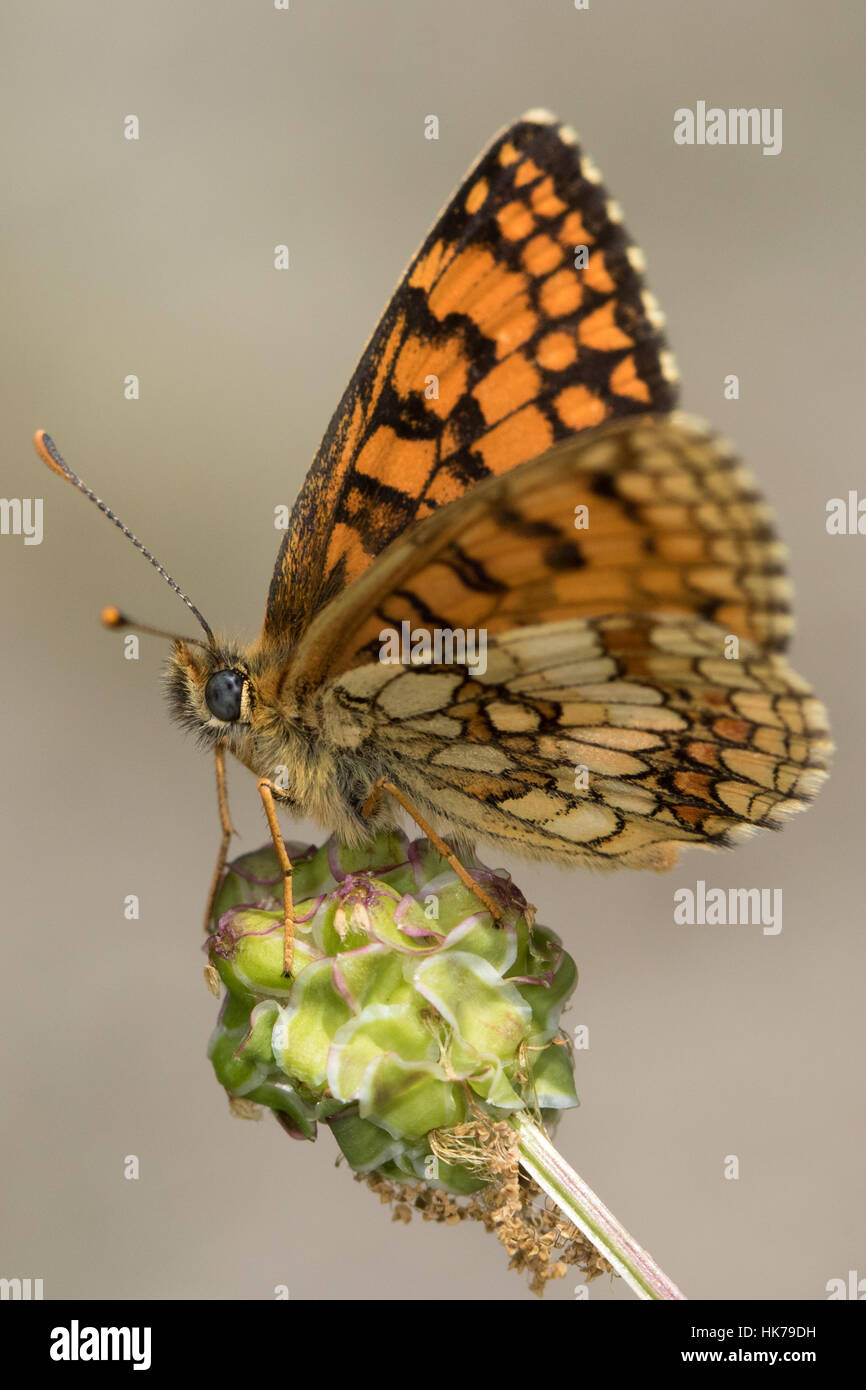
(613, 742)
(522, 320)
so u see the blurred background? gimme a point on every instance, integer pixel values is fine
(155, 258)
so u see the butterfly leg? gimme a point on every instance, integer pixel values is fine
(227, 829)
(382, 786)
(266, 792)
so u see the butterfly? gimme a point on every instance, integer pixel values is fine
(520, 597)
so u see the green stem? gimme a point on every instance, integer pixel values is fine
(577, 1201)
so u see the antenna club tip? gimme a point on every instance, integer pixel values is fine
(47, 451)
(112, 617)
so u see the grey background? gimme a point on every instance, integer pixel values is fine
(155, 257)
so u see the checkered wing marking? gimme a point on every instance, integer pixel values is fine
(678, 746)
(610, 648)
(494, 347)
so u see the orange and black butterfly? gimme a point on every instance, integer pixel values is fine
(585, 589)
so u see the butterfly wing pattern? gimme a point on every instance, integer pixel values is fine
(633, 698)
(641, 651)
(495, 346)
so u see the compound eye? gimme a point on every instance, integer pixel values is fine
(223, 694)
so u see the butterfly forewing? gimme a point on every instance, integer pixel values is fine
(522, 320)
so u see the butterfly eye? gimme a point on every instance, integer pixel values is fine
(223, 694)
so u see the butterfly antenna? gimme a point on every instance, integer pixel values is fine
(112, 617)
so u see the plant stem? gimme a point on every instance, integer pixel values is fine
(579, 1204)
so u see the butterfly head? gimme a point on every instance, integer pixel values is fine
(210, 690)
